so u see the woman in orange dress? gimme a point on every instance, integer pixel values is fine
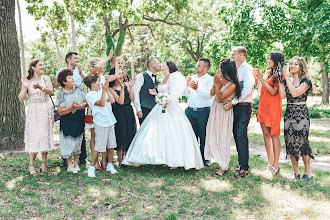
(270, 109)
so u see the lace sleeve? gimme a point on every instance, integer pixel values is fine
(309, 83)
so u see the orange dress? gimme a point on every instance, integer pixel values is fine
(270, 109)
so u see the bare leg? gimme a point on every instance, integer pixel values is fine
(31, 166)
(220, 171)
(75, 161)
(43, 167)
(307, 163)
(92, 146)
(268, 144)
(104, 160)
(95, 155)
(70, 165)
(120, 156)
(277, 150)
(111, 152)
(295, 165)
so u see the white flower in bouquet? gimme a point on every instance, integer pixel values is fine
(163, 99)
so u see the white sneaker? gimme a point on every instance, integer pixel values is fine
(77, 168)
(91, 171)
(111, 168)
(72, 171)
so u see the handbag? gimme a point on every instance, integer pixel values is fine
(89, 118)
(57, 116)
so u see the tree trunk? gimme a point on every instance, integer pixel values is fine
(12, 116)
(132, 61)
(58, 50)
(21, 36)
(74, 37)
(325, 84)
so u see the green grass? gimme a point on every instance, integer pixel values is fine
(158, 192)
(319, 135)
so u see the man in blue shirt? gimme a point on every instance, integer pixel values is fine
(72, 61)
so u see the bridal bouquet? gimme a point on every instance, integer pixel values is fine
(163, 99)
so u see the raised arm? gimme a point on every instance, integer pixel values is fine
(102, 62)
(24, 89)
(258, 75)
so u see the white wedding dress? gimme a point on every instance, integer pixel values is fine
(166, 138)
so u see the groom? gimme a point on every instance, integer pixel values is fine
(199, 101)
(144, 89)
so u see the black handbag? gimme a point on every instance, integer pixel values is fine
(57, 116)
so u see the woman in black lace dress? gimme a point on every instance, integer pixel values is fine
(296, 118)
(125, 127)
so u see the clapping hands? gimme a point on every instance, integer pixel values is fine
(131, 82)
(25, 82)
(257, 74)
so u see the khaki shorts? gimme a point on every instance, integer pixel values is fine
(105, 138)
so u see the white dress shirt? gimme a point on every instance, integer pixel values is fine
(200, 98)
(245, 75)
(137, 88)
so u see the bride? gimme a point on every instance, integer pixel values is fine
(166, 138)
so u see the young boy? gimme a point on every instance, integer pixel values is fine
(99, 99)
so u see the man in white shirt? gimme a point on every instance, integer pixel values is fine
(242, 109)
(72, 62)
(199, 101)
(144, 89)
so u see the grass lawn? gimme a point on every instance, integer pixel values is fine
(157, 192)
(319, 135)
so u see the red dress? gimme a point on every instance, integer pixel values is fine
(270, 109)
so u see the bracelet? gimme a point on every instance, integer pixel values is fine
(213, 86)
(262, 80)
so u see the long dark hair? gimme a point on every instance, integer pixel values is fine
(229, 72)
(33, 63)
(171, 66)
(276, 57)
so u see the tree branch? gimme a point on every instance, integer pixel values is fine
(106, 24)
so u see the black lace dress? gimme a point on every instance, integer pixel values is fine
(125, 127)
(296, 123)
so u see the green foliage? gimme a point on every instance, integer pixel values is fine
(255, 104)
(319, 111)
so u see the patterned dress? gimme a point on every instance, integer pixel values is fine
(218, 132)
(39, 120)
(296, 123)
(72, 125)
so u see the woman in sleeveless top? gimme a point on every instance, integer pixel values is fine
(220, 124)
(296, 118)
(125, 127)
(39, 117)
(270, 110)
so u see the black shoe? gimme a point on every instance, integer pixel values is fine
(305, 177)
(207, 163)
(82, 161)
(295, 177)
(64, 163)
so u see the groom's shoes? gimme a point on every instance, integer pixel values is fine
(241, 173)
(207, 163)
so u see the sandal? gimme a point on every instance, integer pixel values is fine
(274, 169)
(295, 176)
(33, 174)
(41, 168)
(305, 177)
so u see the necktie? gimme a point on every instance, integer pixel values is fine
(155, 81)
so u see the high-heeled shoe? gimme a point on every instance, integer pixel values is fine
(33, 174)
(41, 168)
(295, 176)
(276, 170)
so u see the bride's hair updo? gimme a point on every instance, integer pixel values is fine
(172, 67)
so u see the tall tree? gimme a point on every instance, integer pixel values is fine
(21, 37)
(12, 117)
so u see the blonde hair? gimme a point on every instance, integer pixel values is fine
(303, 72)
(92, 63)
(240, 50)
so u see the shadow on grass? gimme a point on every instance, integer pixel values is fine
(159, 192)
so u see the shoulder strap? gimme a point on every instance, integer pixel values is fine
(49, 95)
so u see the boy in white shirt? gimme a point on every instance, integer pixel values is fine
(100, 99)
